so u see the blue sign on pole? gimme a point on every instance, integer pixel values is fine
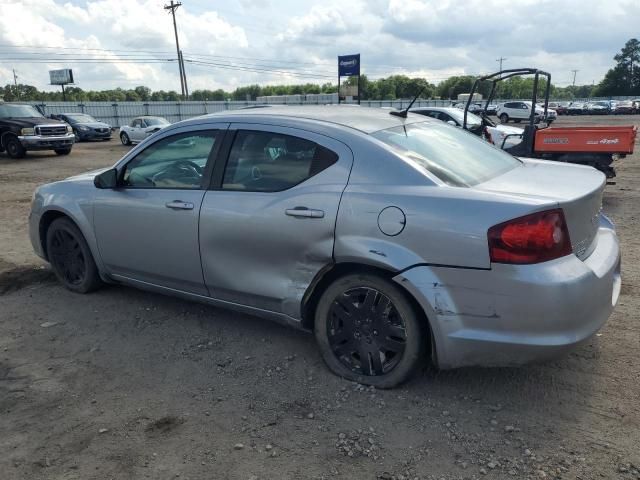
(349, 65)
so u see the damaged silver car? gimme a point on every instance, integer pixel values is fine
(394, 238)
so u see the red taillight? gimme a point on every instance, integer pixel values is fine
(533, 238)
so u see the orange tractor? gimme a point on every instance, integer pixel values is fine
(596, 146)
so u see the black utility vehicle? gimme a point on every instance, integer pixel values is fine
(23, 128)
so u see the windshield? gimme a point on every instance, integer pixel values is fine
(455, 156)
(81, 118)
(458, 115)
(155, 121)
(18, 111)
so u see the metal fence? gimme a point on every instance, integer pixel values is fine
(121, 113)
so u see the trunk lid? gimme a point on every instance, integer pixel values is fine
(576, 189)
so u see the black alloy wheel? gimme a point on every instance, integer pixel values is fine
(67, 257)
(70, 257)
(14, 148)
(366, 332)
(369, 331)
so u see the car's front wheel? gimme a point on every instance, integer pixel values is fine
(504, 118)
(124, 138)
(70, 257)
(14, 148)
(368, 331)
(62, 151)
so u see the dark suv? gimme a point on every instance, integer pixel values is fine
(23, 128)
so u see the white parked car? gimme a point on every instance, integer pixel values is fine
(140, 128)
(500, 135)
(521, 110)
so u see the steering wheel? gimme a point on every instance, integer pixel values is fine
(186, 168)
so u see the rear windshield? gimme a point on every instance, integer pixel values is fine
(455, 156)
(472, 119)
(81, 118)
(155, 121)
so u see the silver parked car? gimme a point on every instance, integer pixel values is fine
(140, 128)
(391, 238)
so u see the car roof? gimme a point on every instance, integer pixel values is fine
(364, 119)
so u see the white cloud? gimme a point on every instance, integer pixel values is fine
(431, 38)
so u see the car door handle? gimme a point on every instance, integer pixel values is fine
(179, 205)
(304, 212)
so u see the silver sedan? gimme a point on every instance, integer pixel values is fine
(395, 240)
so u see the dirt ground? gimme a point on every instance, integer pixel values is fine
(123, 384)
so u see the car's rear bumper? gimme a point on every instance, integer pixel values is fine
(515, 314)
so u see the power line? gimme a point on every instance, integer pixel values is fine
(257, 69)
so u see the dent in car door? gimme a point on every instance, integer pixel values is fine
(263, 248)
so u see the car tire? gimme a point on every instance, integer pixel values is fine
(77, 136)
(362, 315)
(124, 138)
(504, 118)
(62, 151)
(13, 147)
(70, 257)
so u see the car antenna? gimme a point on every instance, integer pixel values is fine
(403, 113)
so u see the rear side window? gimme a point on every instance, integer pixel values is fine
(272, 162)
(455, 156)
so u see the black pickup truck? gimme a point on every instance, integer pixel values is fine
(23, 128)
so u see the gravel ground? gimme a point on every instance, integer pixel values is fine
(125, 384)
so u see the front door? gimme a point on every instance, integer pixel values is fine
(137, 130)
(267, 228)
(147, 228)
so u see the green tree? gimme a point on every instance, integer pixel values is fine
(624, 77)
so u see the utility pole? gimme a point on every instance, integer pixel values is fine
(574, 76)
(184, 76)
(15, 82)
(173, 6)
(500, 60)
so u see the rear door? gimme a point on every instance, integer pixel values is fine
(268, 227)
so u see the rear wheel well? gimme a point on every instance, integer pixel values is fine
(329, 275)
(45, 222)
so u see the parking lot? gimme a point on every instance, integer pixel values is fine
(127, 384)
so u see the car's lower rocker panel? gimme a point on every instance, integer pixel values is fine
(273, 316)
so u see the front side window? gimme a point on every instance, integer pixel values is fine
(177, 161)
(455, 156)
(136, 123)
(272, 162)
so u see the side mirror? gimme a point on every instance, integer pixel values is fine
(107, 179)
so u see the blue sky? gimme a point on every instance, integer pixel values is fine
(230, 44)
